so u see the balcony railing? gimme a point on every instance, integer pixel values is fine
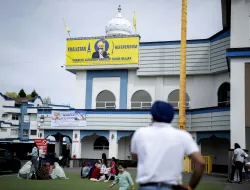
(176, 104)
(105, 105)
(140, 105)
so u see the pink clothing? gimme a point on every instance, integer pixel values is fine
(113, 170)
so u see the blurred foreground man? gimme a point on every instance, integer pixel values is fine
(160, 149)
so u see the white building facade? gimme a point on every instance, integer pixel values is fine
(117, 98)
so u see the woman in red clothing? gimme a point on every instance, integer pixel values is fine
(96, 173)
(113, 166)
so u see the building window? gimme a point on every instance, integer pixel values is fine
(33, 117)
(14, 132)
(33, 132)
(4, 116)
(105, 100)
(141, 100)
(25, 133)
(224, 95)
(15, 117)
(26, 118)
(101, 143)
(173, 98)
(3, 130)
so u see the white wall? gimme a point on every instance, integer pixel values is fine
(136, 83)
(87, 148)
(80, 89)
(123, 148)
(237, 96)
(38, 102)
(1, 107)
(240, 23)
(9, 103)
(106, 83)
(202, 89)
(217, 148)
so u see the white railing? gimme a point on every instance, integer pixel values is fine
(105, 105)
(225, 103)
(101, 147)
(140, 105)
(176, 104)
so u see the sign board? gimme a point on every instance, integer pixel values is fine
(42, 145)
(107, 50)
(68, 119)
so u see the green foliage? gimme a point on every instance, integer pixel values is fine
(12, 94)
(22, 93)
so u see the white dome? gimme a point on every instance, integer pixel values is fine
(119, 26)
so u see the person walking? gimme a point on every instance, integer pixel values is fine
(238, 160)
(34, 156)
(66, 156)
(160, 149)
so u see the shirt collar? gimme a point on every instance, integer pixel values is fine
(160, 124)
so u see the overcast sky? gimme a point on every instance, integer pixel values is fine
(32, 35)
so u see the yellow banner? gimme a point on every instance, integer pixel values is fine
(102, 51)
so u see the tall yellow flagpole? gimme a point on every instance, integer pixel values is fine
(182, 99)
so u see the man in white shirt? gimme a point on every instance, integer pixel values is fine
(160, 149)
(238, 160)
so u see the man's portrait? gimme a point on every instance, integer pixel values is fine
(100, 53)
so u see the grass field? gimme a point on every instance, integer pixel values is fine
(74, 183)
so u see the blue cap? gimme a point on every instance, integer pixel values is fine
(162, 112)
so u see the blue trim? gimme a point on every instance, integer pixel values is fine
(123, 74)
(56, 105)
(121, 134)
(220, 35)
(8, 123)
(11, 107)
(66, 133)
(194, 111)
(209, 134)
(85, 133)
(238, 54)
(6, 98)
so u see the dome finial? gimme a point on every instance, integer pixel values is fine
(119, 8)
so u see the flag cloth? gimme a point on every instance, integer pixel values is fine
(134, 20)
(66, 27)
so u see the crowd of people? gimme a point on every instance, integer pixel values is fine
(104, 171)
(40, 168)
(240, 165)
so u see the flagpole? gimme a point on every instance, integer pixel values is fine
(182, 98)
(69, 34)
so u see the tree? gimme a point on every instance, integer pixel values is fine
(47, 100)
(29, 96)
(33, 94)
(11, 94)
(22, 94)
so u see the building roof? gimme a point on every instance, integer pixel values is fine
(24, 100)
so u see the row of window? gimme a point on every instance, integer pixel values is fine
(14, 132)
(142, 99)
(139, 100)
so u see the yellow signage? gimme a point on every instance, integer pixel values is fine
(102, 51)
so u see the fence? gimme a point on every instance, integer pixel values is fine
(188, 165)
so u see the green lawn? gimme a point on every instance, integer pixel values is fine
(74, 183)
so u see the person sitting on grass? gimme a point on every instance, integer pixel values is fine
(58, 172)
(43, 173)
(25, 171)
(96, 173)
(124, 179)
(91, 170)
(85, 171)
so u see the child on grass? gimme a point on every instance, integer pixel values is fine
(123, 179)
